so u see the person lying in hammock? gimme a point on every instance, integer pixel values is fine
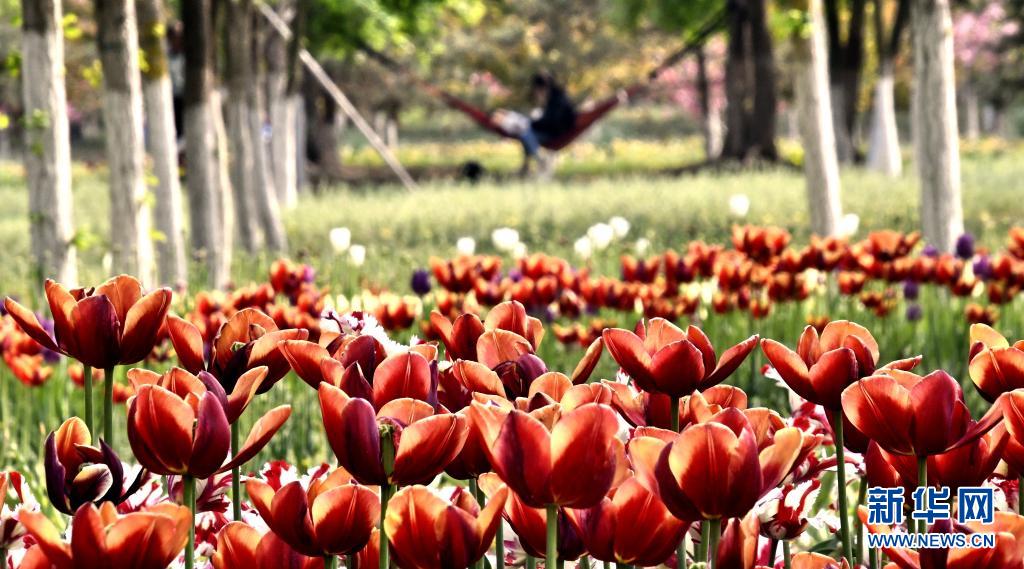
(555, 116)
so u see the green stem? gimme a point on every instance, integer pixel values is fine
(858, 529)
(551, 559)
(386, 490)
(189, 495)
(873, 559)
(922, 482)
(702, 547)
(87, 384)
(330, 562)
(478, 495)
(499, 545)
(584, 562)
(531, 562)
(681, 548)
(236, 477)
(844, 509)
(716, 531)
(787, 557)
(108, 406)
(1020, 502)
(674, 408)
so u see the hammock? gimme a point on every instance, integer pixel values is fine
(584, 118)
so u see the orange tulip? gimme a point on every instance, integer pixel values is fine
(461, 336)
(187, 431)
(661, 358)
(100, 538)
(355, 369)
(571, 460)
(1008, 552)
(249, 339)
(713, 470)
(102, 327)
(332, 517)
(240, 546)
(632, 527)
(419, 442)
(913, 415)
(428, 531)
(996, 367)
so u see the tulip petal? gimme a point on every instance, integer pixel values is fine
(352, 432)
(521, 455)
(831, 374)
(344, 518)
(427, 446)
(161, 431)
(588, 363)
(583, 457)
(142, 324)
(304, 358)
(291, 520)
(28, 322)
(881, 408)
(997, 371)
(497, 346)
(124, 291)
(97, 332)
(236, 547)
(401, 375)
(678, 369)
(259, 436)
(791, 367)
(627, 349)
(729, 362)
(212, 438)
(187, 342)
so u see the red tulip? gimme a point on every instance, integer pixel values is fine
(664, 359)
(913, 415)
(102, 327)
(713, 470)
(632, 527)
(570, 461)
(529, 524)
(188, 433)
(461, 336)
(996, 367)
(428, 531)
(354, 369)
(77, 473)
(423, 442)
(1008, 552)
(249, 339)
(240, 546)
(821, 368)
(738, 546)
(100, 538)
(809, 560)
(969, 465)
(331, 517)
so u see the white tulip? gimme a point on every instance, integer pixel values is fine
(739, 205)
(505, 239)
(642, 246)
(357, 254)
(465, 245)
(849, 224)
(341, 239)
(583, 247)
(519, 251)
(620, 226)
(601, 235)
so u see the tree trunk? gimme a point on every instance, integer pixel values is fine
(265, 196)
(172, 268)
(47, 145)
(711, 126)
(210, 238)
(884, 144)
(283, 122)
(239, 78)
(821, 167)
(130, 223)
(765, 98)
(972, 111)
(935, 123)
(737, 83)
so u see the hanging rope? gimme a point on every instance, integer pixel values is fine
(342, 101)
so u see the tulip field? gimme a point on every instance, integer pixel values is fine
(541, 379)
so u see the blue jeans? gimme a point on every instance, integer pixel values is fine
(532, 140)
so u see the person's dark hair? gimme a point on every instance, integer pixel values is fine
(542, 80)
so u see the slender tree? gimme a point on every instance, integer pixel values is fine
(47, 145)
(172, 268)
(884, 143)
(130, 225)
(284, 109)
(238, 108)
(751, 97)
(210, 230)
(935, 123)
(813, 107)
(845, 64)
(264, 193)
